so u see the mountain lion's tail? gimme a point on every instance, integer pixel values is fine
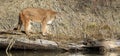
(19, 23)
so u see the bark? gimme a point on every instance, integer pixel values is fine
(21, 41)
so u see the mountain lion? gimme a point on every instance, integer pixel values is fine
(40, 15)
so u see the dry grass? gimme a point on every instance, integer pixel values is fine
(79, 18)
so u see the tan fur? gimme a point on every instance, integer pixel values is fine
(35, 15)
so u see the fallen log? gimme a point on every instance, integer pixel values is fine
(16, 40)
(24, 43)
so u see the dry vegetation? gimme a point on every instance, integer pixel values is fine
(96, 19)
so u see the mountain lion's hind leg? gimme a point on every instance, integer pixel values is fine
(27, 27)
